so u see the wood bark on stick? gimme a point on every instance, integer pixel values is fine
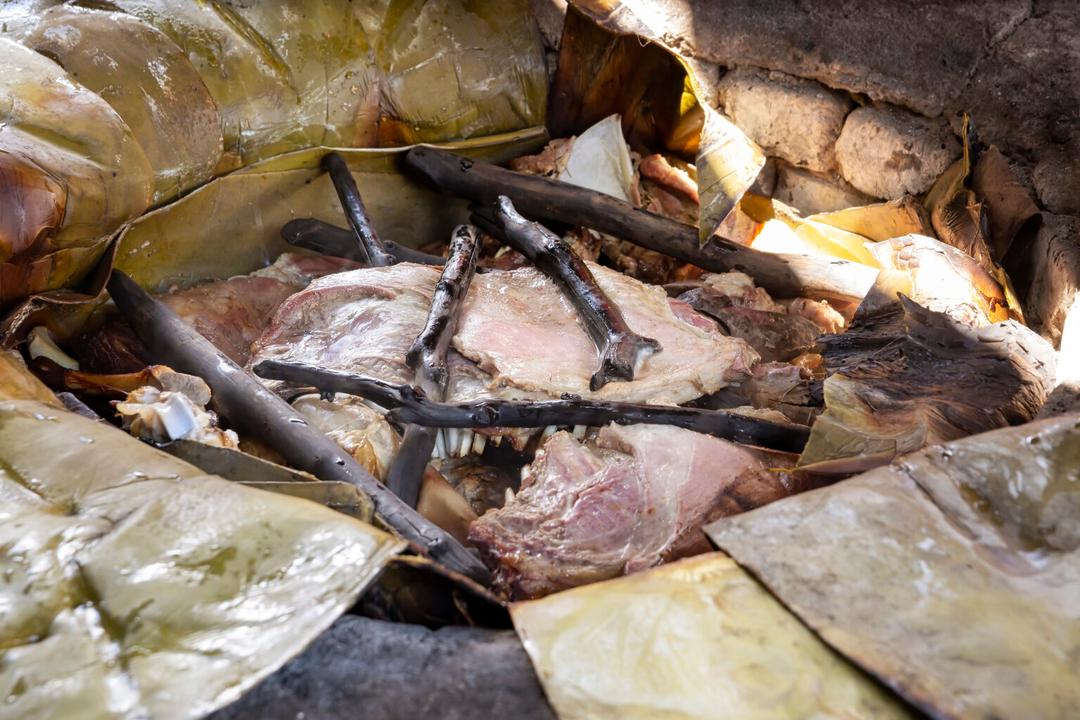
(255, 410)
(541, 198)
(427, 358)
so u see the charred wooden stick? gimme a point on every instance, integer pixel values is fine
(369, 242)
(427, 358)
(327, 239)
(379, 392)
(547, 199)
(409, 406)
(621, 349)
(515, 413)
(254, 409)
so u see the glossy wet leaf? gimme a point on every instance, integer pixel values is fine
(728, 162)
(182, 242)
(201, 88)
(289, 75)
(879, 221)
(953, 575)
(336, 495)
(75, 138)
(785, 231)
(699, 638)
(150, 83)
(18, 383)
(136, 585)
(937, 276)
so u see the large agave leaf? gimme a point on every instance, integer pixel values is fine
(183, 242)
(270, 78)
(160, 97)
(953, 575)
(137, 586)
(289, 75)
(96, 168)
(699, 638)
(879, 221)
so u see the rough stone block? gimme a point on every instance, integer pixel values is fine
(791, 118)
(811, 193)
(916, 55)
(1057, 179)
(1055, 274)
(373, 669)
(887, 152)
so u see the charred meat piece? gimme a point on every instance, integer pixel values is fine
(731, 289)
(775, 336)
(896, 388)
(637, 498)
(622, 351)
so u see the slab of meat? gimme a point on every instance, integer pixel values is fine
(774, 335)
(636, 498)
(230, 313)
(362, 321)
(518, 327)
(233, 313)
(517, 337)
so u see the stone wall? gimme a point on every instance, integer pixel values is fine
(859, 99)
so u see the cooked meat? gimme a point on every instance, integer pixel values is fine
(112, 348)
(636, 498)
(484, 485)
(657, 169)
(299, 270)
(736, 289)
(638, 262)
(775, 336)
(549, 162)
(518, 337)
(820, 312)
(784, 387)
(519, 328)
(230, 313)
(363, 321)
(896, 388)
